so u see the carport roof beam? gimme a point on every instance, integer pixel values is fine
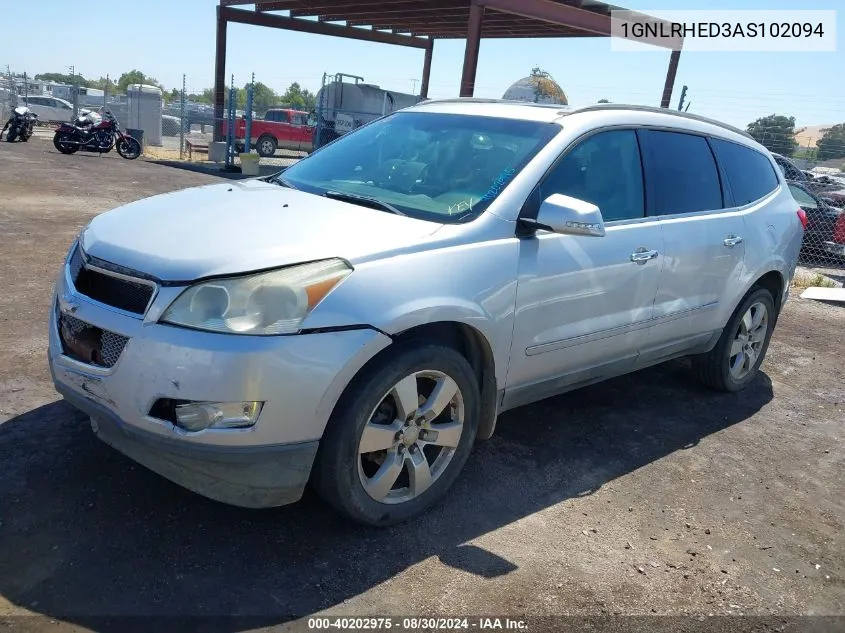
(417, 23)
(258, 18)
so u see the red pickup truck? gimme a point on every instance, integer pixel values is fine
(279, 129)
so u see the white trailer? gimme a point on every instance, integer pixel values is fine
(346, 102)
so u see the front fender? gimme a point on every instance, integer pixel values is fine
(474, 285)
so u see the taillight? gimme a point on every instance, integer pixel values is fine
(839, 229)
(802, 215)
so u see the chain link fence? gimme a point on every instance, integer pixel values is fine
(814, 166)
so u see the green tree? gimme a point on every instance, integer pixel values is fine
(136, 77)
(103, 83)
(832, 143)
(263, 98)
(206, 96)
(65, 78)
(776, 132)
(296, 97)
(604, 101)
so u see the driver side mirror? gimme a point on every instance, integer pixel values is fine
(566, 215)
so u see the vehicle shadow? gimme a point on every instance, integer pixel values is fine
(88, 534)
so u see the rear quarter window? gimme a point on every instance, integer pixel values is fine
(750, 174)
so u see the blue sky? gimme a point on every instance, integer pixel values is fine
(177, 36)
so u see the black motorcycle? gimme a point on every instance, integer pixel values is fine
(100, 137)
(20, 124)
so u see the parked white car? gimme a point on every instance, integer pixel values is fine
(50, 109)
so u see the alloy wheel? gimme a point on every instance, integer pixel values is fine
(749, 339)
(267, 148)
(411, 437)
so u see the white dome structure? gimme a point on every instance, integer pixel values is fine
(538, 87)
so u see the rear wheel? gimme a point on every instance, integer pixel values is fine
(128, 147)
(266, 146)
(63, 142)
(400, 435)
(736, 359)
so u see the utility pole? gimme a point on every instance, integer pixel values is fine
(25, 90)
(75, 90)
(683, 96)
(414, 86)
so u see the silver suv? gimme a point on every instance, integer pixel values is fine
(360, 319)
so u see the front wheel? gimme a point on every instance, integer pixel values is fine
(736, 359)
(400, 435)
(128, 147)
(12, 135)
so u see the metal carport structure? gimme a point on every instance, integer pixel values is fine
(418, 23)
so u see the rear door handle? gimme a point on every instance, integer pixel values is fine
(641, 255)
(732, 240)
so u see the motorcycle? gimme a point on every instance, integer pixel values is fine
(100, 135)
(20, 124)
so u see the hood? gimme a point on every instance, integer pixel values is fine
(238, 227)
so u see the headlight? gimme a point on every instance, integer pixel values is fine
(274, 302)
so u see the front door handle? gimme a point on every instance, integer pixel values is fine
(732, 240)
(641, 255)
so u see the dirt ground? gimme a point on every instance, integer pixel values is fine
(643, 495)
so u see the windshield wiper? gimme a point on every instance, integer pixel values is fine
(364, 201)
(280, 180)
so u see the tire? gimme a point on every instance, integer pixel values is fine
(12, 135)
(266, 146)
(342, 466)
(59, 142)
(713, 369)
(128, 147)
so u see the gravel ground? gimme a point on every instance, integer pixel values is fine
(646, 494)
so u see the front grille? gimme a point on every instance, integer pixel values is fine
(87, 343)
(125, 294)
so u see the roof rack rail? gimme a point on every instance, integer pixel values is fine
(677, 113)
(566, 110)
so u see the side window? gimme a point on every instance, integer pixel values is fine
(35, 101)
(750, 174)
(803, 199)
(682, 173)
(271, 116)
(283, 117)
(604, 169)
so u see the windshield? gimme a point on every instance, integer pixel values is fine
(438, 167)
